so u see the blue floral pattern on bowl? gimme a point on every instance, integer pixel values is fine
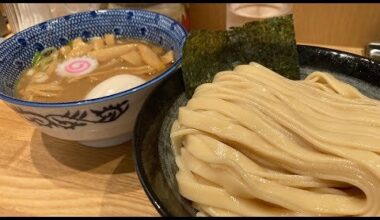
(17, 52)
(77, 118)
(102, 121)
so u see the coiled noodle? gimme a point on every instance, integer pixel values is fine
(253, 143)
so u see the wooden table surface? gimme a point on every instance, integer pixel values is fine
(45, 176)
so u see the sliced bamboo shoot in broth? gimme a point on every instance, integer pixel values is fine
(71, 72)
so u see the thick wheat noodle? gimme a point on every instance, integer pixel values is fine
(253, 143)
(52, 66)
(43, 93)
(150, 57)
(110, 64)
(98, 43)
(44, 90)
(355, 131)
(48, 86)
(141, 70)
(95, 60)
(111, 52)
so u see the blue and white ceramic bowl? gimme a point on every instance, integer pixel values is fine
(100, 122)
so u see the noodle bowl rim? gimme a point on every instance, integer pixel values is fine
(172, 69)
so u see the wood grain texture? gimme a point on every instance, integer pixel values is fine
(350, 25)
(45, 176)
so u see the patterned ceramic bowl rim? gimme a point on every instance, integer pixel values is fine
(163, 75)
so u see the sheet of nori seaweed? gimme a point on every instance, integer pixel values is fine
(270, 42)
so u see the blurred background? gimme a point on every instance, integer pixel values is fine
(349, 25)
(352, 25)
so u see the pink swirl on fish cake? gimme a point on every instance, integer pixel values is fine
(77, 66)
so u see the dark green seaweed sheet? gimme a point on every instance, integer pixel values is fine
(270, 42)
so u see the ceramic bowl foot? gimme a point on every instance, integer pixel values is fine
(109, 142)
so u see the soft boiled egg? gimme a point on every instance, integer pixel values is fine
(114, 85)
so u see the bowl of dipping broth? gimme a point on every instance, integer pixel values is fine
(84, 77)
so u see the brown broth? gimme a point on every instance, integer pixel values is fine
(78, 89)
